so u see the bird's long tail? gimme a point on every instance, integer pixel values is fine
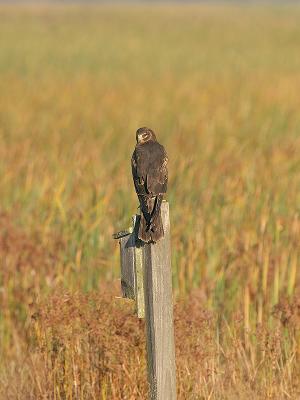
(151, 227)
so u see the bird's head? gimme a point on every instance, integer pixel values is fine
(144, 134)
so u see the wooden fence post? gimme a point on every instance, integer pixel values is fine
(146, 277)
(159, 315)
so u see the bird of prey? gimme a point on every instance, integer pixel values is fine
(150, 176)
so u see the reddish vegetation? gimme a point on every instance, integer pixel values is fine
(65, 345)
(289, 312)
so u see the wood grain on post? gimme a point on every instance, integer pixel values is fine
(159, 314)
(131, 256)
(138, 270)
(127, 243)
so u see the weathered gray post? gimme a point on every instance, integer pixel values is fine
(131, 254)
(146, 277)
(159, 314)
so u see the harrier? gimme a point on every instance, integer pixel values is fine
(150, 176)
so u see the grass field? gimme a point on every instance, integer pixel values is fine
(220, 86)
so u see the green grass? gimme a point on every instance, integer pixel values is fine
(220, 87)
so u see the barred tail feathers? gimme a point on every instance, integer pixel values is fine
(156, 228)
(144, 233)
(151, 227)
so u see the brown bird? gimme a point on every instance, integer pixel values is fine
(150, 176)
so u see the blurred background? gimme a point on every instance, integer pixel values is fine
(219, 83)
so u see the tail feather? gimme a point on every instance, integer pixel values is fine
(156, 228)
(144, 233)
(151, 227)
